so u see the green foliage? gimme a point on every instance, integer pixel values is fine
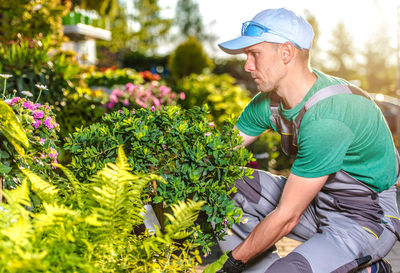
(32, 62)
(82, 107)
(219, 92)
(269, 144)
(189, 57)
(111, 77)
(31, 18)
(40, 142)
(182, 146)
(93, 228)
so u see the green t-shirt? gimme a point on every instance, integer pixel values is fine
(343, 132)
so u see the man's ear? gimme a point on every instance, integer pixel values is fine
(287, 52)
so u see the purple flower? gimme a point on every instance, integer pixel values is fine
(53, 153)
(27, 105)
(122, 112)
(36, 123)
(42, 141)
(9, 102)
(225, 222)
(49, 123)
(36, 105)
(211, 124)
(110, 105)
(133, 111)
(38, 114)
(153, 108)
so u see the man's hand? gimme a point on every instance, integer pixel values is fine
(216, 266)
(225, 264)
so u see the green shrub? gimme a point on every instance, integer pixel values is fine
(38, 68)
(93, 228)
(112, 77)
(188, 58)
(197, 160)
(219, 92)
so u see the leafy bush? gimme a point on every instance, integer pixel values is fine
(188, 58)
(219, 92)
(112, 77)
(80, 107)
(197, 160)
(92, 229)
(38, 121)
(37, 67)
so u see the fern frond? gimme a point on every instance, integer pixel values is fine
(19, 195)
(122, 160)
(78, 191)
(43, 189)
(184, 214)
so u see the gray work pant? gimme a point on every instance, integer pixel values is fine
(344, 229)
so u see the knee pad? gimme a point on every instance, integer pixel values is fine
(293, 263)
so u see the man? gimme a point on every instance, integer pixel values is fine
(339, 198)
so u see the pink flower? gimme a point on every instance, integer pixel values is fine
(49, 123)
(207, 134)
(156, 102)
(27, 105)
(53, 153)
(36, 123)
(164, 147)
(133, 111)
(153, 108)
(125, 102)
(113, 98)
(9, 102)
(35, 106)
(42, 141)
(38, 114)
(211, 124)
(110, 105)
(164, 90)
(14, 100)
(182, 96)
(130, 86)
(122, 112)
(140, 102)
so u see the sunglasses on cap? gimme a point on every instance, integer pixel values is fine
(254, 29)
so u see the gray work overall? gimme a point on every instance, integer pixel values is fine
(345, 228)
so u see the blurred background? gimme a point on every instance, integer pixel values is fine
(84, 50)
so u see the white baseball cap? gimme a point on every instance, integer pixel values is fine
(274, 26)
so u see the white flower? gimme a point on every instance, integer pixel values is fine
(27, 93)
(245, 220)
(5, 76)
(37, 7)
(41, 87)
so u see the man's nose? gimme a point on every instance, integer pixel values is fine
(249, 66)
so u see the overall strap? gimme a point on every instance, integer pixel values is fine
(289, 130)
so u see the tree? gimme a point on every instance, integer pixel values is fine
(316, 59)
(379, 72)
(152, 27)
(105, 8)
(342, 55)
(31, 19)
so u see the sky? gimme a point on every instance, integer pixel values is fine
(362, 18)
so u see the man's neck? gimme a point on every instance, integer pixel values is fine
(295, 87)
